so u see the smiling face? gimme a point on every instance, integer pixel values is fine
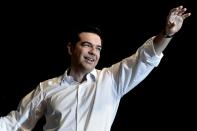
(86, 53)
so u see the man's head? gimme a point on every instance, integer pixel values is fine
(76, 30)
(84, 48)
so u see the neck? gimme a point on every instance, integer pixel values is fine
(77, 75)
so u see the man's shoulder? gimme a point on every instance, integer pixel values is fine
(52, 81)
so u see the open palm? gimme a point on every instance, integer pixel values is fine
(175, 19)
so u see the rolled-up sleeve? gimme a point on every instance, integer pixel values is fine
(132, 70)
(29, 110)
(148, 54)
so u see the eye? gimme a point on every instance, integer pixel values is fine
(99, 48)
(86, 44)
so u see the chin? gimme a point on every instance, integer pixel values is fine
(89, 69)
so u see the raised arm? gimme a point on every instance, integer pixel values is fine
(174, 23)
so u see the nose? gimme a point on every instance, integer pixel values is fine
(92, 51)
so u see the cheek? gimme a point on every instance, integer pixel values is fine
(98, 57)
(78, 53)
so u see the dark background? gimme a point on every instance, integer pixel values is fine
(33, 49)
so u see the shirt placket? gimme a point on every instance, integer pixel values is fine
(80, 108)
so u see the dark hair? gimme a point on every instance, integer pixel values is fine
(76, 30)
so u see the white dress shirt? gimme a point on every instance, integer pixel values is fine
(88, 106)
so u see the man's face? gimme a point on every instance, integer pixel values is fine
(86, 53)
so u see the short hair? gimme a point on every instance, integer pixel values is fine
(76, 30)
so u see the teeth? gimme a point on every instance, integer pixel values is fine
(90, 59)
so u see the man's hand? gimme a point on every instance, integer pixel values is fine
(175, 20)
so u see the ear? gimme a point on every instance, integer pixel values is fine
(70, 48)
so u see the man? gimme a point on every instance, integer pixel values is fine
(84, 98)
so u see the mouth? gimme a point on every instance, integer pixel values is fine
(89, 59)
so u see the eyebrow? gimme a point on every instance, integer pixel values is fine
(100, 46)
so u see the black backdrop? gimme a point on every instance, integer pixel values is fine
(32, 50)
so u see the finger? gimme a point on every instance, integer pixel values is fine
(180, 7)
(181, 11)
(175, 11)
(186, 15)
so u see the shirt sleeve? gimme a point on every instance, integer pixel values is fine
(132, 70)
(29, 110)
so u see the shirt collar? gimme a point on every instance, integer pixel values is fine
(66, 78)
